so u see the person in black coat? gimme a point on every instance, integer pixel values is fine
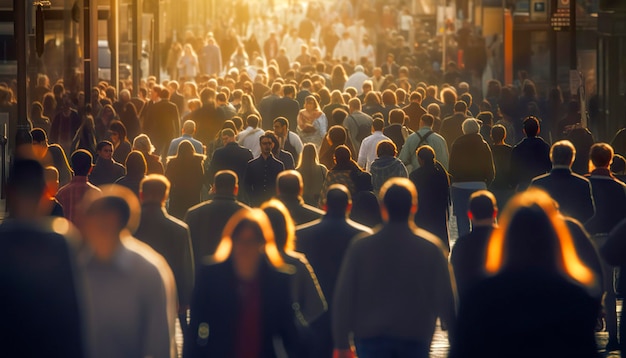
(168, 236)
(253, 309)
(571, 191)
(261, 173)
(286, 107)
(324, 243)
(537, 272)
(231, 156)
(162, 122)
(106, 170)
(207, 220)
(40, 307)
(530, 157)
(614, 253)
(396, 131)
(433, 189)
(470, 250)
(289, 189)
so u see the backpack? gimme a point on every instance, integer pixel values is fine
(363, 130)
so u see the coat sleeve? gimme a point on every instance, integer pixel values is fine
(343, 301)
(309, 294)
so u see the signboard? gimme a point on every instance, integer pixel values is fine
(560, 18)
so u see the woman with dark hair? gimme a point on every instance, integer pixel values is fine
(142, 143)
(344, 171)
(372, 104)
(313, 175)
(254, 305)
(107, 114)
(121, 145)
(433, 189)
(186, 174)
(541, 300)
(130, 119)
(324, 95)
(135, 172)
(365, 206)
(37, 119)
(336, 136)
(338, 78)
(449, 98)
(390, 102)
(305, 290)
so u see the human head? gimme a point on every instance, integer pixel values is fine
(386, 148)
(309, 155)
(531, 126)
(416, 97)
(354, 104)
(289, 184)
(619, 164)
(246, 239)
(378, 125)
(226, 183)
(460, 107)
(189, 127)
(470, 126)
(425, 155)
(136, 166)
(482, 207)
(498, 133)
(267, 143)
(185, 149)
(51, 176)
(562, 153)
(40, 142)
(228, 136)
(398, 200)
(310, 103)
(282, 224)
(118, 131)
(81, 162)
(532, 235)
(104, 149)
(252, 120)
(396, 116)
(601, 155)
(427, 120)
(338, 201)
(142, 143)
(342, 155)
(281, 126)
(154, 189)
(25, 187)
(434, 109)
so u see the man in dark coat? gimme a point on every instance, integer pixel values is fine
(286, 107)
(396, 131)
(451, 127)
(571, 191)
(261, 173)
(207, 220)
(40, 307)
(231, 156)
(414, 109)
(168, 236)
(162, 123)
(207, 117)
(324, 242)
(289, 191)
(530, 157)
(176, 97)
(265, 106)
(470, 251)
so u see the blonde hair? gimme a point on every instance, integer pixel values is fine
(255, 217)
(567, 261)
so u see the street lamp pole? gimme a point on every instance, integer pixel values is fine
(19, 30)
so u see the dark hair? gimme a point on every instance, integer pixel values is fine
(498, 133)
(111, 204)
(426, 154)
(398, 197)
(136, 164)
(282, 120)
(428, 119)
(619, 164)
(378, 124)
(289, 183)
(339, 115)
(531, 126)
(562, 153)
(225, 182)
(460, 106)
(396, 116)
(252, 120)
(119, 128)
(482, 205)
(103, 144)
(386, 148)
(39, 135)
(26, 179)
(601, 155)
(81, 162)
(337, 199)
(289, 89)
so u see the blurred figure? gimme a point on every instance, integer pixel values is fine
(106, 170)
(51, 155)
(537, 270)
(386, 165)
(37, 118)
(185, 172)
(470, 251)
(261, 173)
(130, 297)
(231, 156)
(207, 220)
(189, 129)
(343, 172)
(121, 145)
(313, 175)
(254, 305)
(71, 195)
(367, 150)
(153, 162)
(85, 137)
(530, 157)
(305, 289)
(407, 306)
(289, 189)
(168, 236)
(50, 206)
(312, 122)
(289, 141)
(135, 172)
(36, 265)
(324, 242)
(614, 253)
(424, 136)
(501, 186)
(432, 183)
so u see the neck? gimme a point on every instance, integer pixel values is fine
(484, 222)
(105, 246)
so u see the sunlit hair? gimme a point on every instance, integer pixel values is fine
(258, 221)
(282, 224)
(511, 246)
(311, 99)
(336, 97)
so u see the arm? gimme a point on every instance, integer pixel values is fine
(614, 250)
(362, 159)
(188, 271)
(310, 296)
(344, 301)
(156, 332)
(589, 206)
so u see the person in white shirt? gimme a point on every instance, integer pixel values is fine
(345, 47)
(356, 79)
(249, 137)
(367, 50)
(292, 44)
(367, 152)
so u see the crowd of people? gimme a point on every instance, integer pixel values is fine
(304, 210)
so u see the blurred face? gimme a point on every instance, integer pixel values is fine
(309, 106)
(280, 130)
(115, 137)
(226, 139)
(106, 152)
(247, 249)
